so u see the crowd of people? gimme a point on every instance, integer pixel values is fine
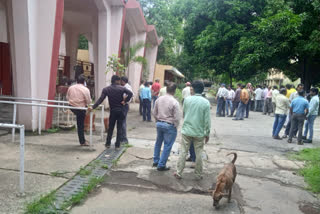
(287, 104)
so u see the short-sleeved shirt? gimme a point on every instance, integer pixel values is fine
(258, 93)
(299, 105)
(289, 92)
(156, 89)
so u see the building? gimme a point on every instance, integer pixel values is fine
(276, 77)
(40, 37)
(167, 72)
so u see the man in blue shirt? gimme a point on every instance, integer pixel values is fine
(312, 115)
(299, 109)
(145, 95)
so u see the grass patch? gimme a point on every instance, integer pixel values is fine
(77, 198)
(44, 205)
(95, 163)
(84, 172)
(105, 166)
(127, 145)
(58, 173)
(311, 171)
(52, 130)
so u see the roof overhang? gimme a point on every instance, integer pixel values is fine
(134, 17)
(152, 35)
(174, 71)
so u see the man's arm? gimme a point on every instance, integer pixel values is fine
(155, 110)
(129, 95)
(207, 122)
(104, 93)
(176, 114)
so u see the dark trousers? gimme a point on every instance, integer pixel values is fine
(267, 106)
(288, 127)
(124, 125)
(116, 116)
(81, 115)
(192, 153)
(297, 122)
(248, 108)
(140, 105)
(146, 110)
(221, 107)
(235, 105)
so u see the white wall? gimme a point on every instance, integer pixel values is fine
(3, 23)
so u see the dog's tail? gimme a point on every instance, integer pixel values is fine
(235, 157)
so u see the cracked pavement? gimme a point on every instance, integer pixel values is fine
(267, 181)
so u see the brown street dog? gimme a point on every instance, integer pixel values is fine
(225, 181)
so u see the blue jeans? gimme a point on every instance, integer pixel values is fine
(166, 133)
(146, 112)
(309, 126)
(240, 111)
(228, 105)
(279, 121)
(192, 153)
(154, 98)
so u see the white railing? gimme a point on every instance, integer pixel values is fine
(50, 101)
(44, 105)
(21, 127)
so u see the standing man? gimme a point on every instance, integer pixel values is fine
(186, 92)
(250, 91)
(244, 99)
(145, 95)
(312, 115)
(79, 96)
(268, 102)
(163, 90)
(229, 99)
(221, 97)
(155, 89)
(264, 97)
(293, 95)
(236, 100)
(167, 114)
(299, 109)
(275, 93)
(282, 105)
(258, 98)
(290, 90)
(115, 93)
(124, 82)
(196, 128)
(140, 100)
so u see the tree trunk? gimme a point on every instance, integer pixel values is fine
(305, 79)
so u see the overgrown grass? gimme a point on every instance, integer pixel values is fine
(178, 95)
(77, 198)
(127, 145)
(44, 205)
(311, 171)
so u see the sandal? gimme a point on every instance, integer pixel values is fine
(177, 176)
(85, 144)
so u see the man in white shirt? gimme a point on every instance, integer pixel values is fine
(124, 82)
(140, 100)
(221, 98)
(186, 92)
(258, 99)
(230, 97)
(275, 93)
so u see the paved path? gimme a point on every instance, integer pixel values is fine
(266, 182)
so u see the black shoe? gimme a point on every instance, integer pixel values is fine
(189, 159)
(107, 146)
(304, 137)
(289, 141)
(235, 119)
(165, 168)
(155, 165)
(241, 119)
(230, 116)
(277, 137)
(307, 141)
(300, 143)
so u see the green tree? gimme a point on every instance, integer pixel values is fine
(83, 43)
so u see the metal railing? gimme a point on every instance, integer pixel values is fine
(50, 101)
(44, 105)
(21, 127)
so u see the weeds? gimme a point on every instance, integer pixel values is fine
(311, 171)
(84, 172)
(43, 205)
(105, 166)
(127, 145)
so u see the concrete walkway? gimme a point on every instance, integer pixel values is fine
(267, 181)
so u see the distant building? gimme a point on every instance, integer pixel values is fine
(276, 77)
(167, 72)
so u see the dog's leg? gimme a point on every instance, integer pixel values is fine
(229, 196)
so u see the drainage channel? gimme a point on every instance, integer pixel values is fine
(97, 168)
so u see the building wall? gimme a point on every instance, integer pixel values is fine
(151, 56)
(3, 23)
